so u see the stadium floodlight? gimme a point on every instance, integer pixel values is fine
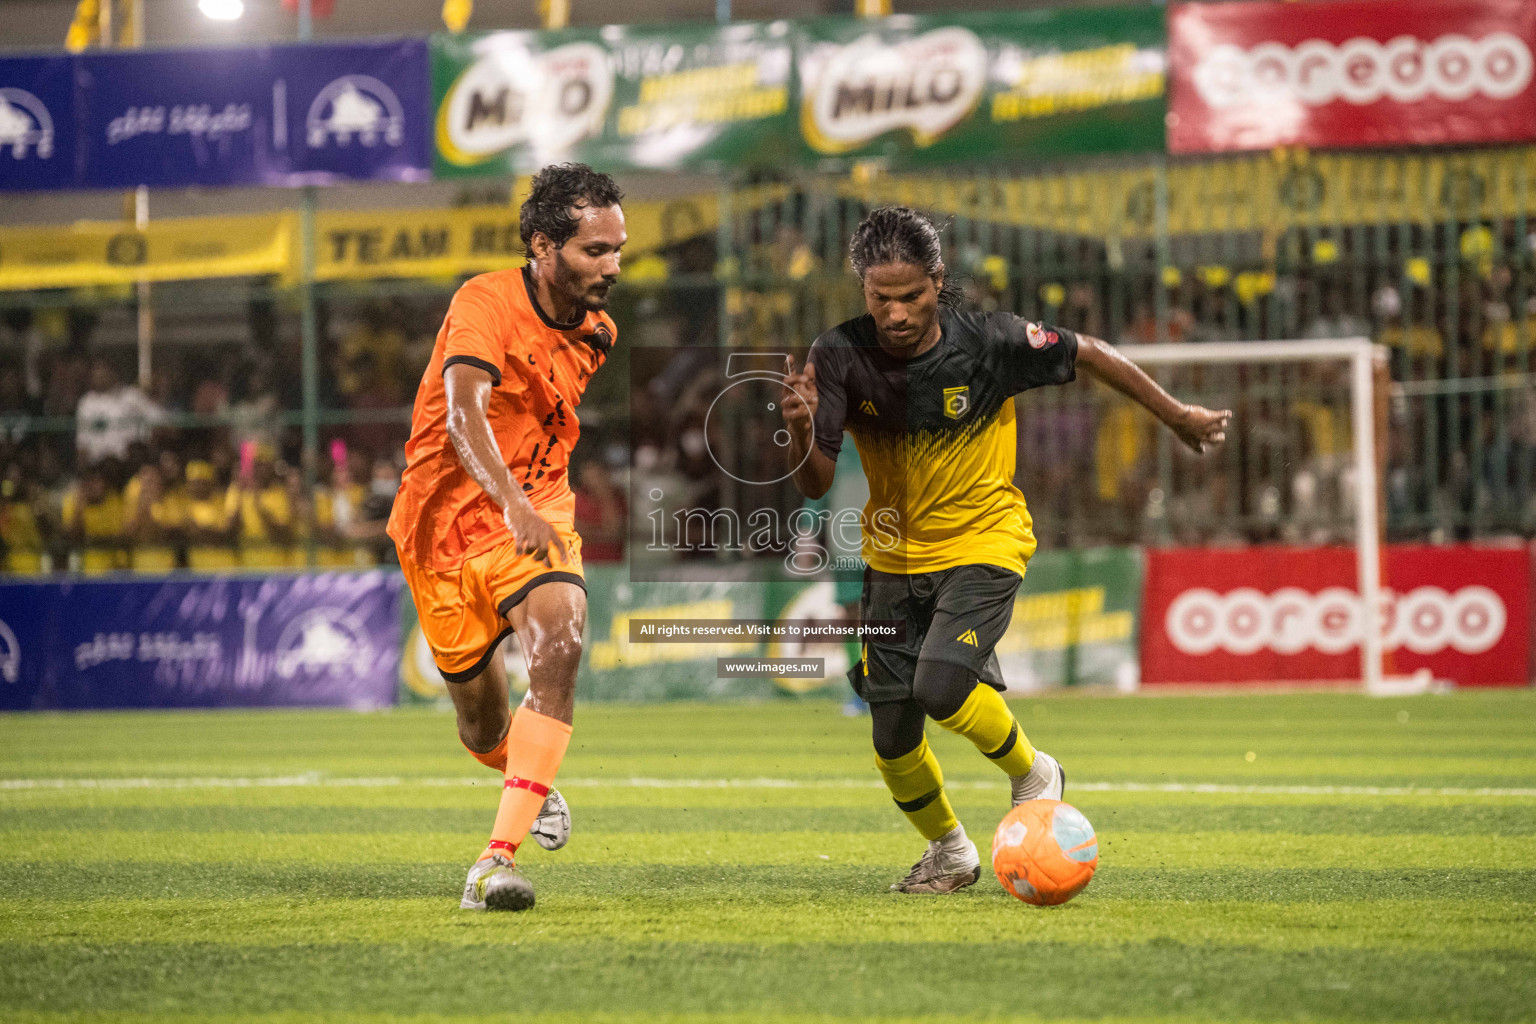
(1360, 354)
(221, 10)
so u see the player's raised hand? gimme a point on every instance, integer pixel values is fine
(1201, 428)
(799, 406)
(534, 536)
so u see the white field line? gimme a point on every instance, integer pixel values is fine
(387, 781)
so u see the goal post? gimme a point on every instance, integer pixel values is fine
(1361, 356)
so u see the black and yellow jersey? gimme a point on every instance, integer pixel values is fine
(936, 435)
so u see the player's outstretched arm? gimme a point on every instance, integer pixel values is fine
(814, 469)
(468, 391)
(1198, 427)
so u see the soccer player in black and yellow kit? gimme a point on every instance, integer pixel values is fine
(927, 393)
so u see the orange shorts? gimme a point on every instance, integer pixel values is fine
(463, 613)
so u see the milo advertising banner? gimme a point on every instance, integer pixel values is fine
(974, 87)
(1075, 622)
(620, 96)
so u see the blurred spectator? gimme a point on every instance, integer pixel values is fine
(209, 530)
(263, 509)
(600, 519)
(255, 417)
(111, 416)
(1335, 320)
(95, 521)
(157, 515)
(20, 531)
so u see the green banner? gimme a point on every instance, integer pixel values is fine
(983, 87)
(618, 97)
(1075, 622)
(913, 90)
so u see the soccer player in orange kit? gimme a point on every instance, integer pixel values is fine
(483, 520)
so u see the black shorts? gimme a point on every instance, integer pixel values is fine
(956, 615)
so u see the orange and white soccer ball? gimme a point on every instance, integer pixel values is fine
(1044, 852)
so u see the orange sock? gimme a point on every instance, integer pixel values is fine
(536, 746)
(496, 757)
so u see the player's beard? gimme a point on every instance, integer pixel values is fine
(579, 291)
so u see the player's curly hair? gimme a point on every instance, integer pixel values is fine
(899, 234)
(557, 190)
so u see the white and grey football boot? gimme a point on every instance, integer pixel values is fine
(494, 883)
(1046, 779)
(949, 864)
(552, 828)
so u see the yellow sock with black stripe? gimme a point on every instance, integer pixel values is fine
(917, 786)
(985, 720)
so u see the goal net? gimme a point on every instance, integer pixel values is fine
(1300, 467)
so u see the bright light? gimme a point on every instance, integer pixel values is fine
(222, 10)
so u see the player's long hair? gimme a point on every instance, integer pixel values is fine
(557, 190)
(899, 234)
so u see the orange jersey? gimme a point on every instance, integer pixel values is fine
(540, 370)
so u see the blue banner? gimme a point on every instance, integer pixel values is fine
(268, 115)
(354, 111)
(190, 117)
(327, 640)
(37, 123)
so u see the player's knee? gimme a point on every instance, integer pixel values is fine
(480, 729)
(941, 688)
(558, 652)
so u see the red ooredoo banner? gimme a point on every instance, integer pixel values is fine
(1350, 73)
(1463, 612)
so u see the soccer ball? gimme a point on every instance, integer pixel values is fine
(1044, 852)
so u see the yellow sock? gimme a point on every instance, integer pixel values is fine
(985, 720)
(917, 786)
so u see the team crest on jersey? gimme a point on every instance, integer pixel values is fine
(1040, 337)
(957, 401)
(600, 339)
(868, 408)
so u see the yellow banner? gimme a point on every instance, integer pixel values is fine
(349, 245)
(1259, 193)
(107, 253)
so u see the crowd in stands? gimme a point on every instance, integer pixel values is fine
(200, 465)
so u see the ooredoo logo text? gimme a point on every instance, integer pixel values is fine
(1360, 71)
(1426, 620)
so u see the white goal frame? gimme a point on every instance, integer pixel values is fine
(1361, 354)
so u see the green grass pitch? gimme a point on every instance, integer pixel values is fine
(1264, 858)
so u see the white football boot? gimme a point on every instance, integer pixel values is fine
(949, 864)
(552, 828)
(1046, 778)
(494, 883)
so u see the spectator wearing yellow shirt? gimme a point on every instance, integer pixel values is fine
(265, 513)
(95, 520)
(210, 536)
(20, 534)
(157, 515)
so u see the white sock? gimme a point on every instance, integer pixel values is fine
(954, 840)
